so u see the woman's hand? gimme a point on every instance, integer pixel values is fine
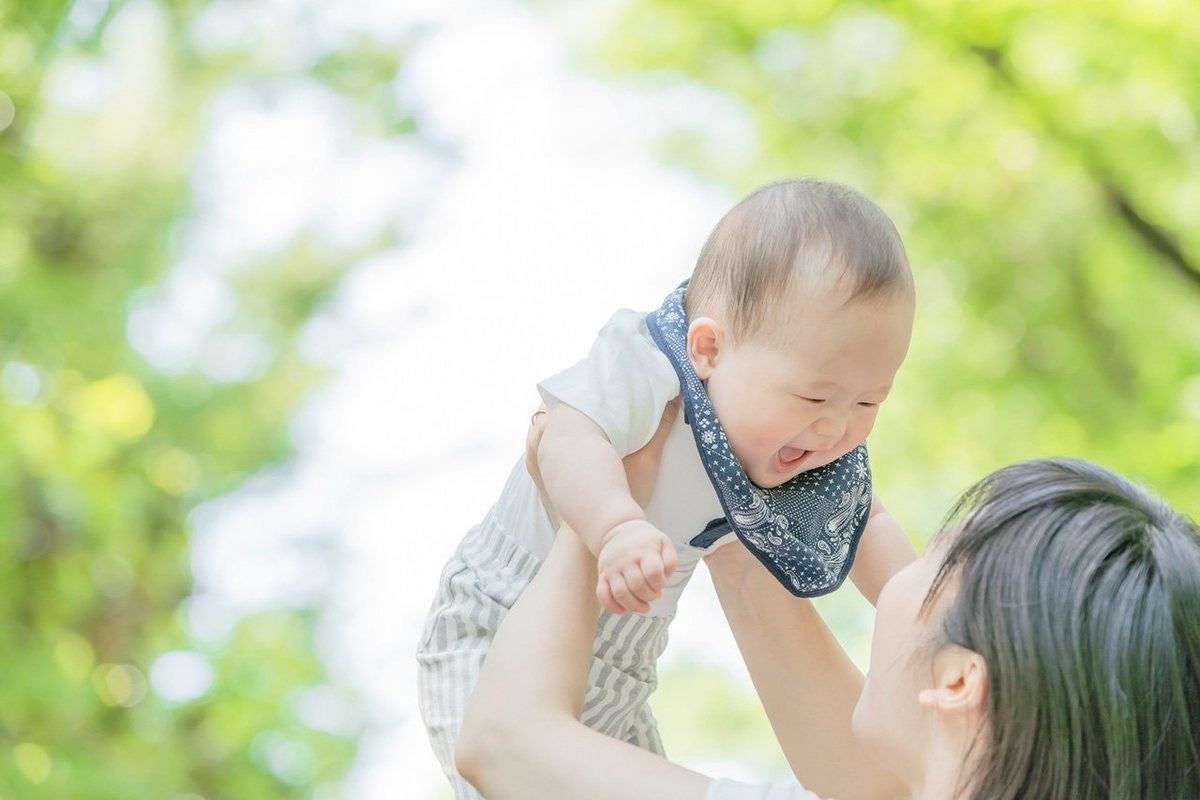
(533, 438)
(641, 468)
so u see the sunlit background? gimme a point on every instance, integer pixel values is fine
(277, 279)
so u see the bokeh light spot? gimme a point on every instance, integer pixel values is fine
(172, 470)
(33, 761)
(119, 405)
(20, 383)
(119, 684)
(180, 676)
(8, 111)
(75, 656)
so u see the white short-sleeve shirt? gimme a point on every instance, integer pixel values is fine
(724, 789)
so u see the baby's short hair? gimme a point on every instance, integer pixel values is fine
(826, 234)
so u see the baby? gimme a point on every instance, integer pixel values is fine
(783, 345)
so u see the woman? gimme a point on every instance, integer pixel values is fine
(1047, 645)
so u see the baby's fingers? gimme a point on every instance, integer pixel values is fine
(625, 597)
(641, 581)
(604, 594)
(655, 574)
(667, 551)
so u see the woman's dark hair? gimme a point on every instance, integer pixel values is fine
(1081, 591)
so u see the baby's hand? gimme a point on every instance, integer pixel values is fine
(634, 563)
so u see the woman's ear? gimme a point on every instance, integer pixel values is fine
(960, 683)
(705, 338)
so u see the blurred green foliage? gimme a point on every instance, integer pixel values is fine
(1040, 159)
(104, 456)
(1041, 162)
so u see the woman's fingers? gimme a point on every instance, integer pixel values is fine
(533, 438)
(670, 414)
(641, 468)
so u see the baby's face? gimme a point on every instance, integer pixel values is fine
(788, 409)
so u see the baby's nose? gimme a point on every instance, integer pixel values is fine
(831, 427)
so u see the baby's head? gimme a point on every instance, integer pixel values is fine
(800, 310)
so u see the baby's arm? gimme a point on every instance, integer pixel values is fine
(586, 484)
(882, 552)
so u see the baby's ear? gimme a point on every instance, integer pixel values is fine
(705, 338)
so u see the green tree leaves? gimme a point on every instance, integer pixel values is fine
(106, 454)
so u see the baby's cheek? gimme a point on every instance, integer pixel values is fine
(861, 428)
(750, 448)
(769, 438)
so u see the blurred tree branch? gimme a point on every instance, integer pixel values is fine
(1152, 235)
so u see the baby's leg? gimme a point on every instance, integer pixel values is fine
(622, 678)
(478, 586)
(643, 732)
(444, 682)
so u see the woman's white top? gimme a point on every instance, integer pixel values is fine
(725, 789)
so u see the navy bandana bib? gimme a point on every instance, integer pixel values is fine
(804, 531)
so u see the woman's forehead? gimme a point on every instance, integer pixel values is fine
(938, 588)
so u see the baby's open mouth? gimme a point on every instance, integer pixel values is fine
(789, 458)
